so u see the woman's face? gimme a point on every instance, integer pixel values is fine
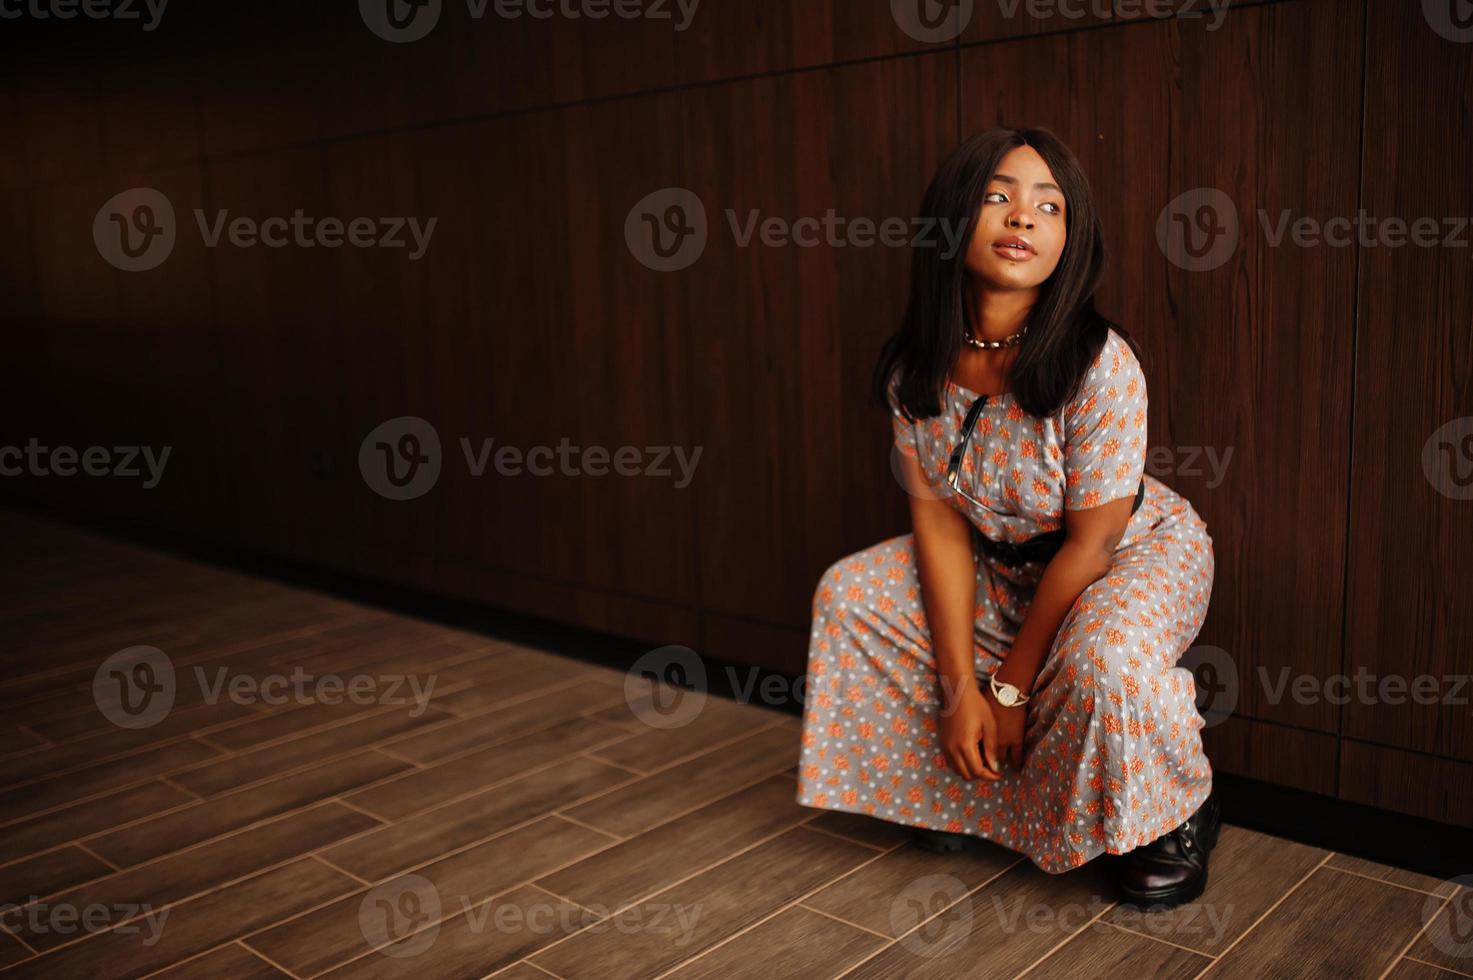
(1019, 235)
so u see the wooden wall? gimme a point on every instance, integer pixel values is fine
(1324, 370)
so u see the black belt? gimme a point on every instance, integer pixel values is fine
(1041, 547)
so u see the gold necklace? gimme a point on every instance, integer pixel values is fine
(1011, 340)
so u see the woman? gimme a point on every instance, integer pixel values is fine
(1008, 670)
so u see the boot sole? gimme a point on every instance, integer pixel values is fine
(945, 845)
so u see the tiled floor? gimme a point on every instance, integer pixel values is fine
(520, 819)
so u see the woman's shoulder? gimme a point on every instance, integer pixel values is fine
(1114, 375)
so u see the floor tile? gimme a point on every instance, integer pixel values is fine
(463, 775)
(795, 944)
(682, 847)
(1372, 923)
(668, 793)
(335, 934)
(684, 920)
(427, 836)
(1246, 874)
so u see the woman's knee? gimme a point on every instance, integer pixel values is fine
(853, 576)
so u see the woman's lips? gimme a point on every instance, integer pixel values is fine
(1012, 253)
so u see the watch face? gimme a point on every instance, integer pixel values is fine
(1007, 695)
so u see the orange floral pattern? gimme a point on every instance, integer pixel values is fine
(1114, 751)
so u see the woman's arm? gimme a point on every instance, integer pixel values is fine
(1104, 460)
(948, 577)
(1090, 537)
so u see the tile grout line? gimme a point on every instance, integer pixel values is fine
(218, 886)
(536, 726)
(802, 899)
(1066, 940)
(591, 757)
(818, 911)
(1385, 881)
(561, 898)
(88, 851)
(588, 826)
(183, 789)
(1157, 939)
(670, 818)
(232, 755)
(530, 883)
(811, 825)
(154, 777)
(340, 801)
(1415, 936)
(533, 883)
(1436, 966)
(471, 794)
(195, 958)
(761, 728)
(632, 902)
(196, 804)
(257, 953)
(341, 870)
(965, 898)
(226, 755)
(504, 832)
(1265, 914)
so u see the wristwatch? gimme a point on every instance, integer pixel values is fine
(1007, 695)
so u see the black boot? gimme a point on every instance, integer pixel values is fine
(1172, 869)
(943, 841)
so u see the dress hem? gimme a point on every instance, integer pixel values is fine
(1094, 849)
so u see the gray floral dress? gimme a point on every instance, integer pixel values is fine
(1113, 748)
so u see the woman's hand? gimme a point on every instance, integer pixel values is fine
(964, 723)
(1010, 723)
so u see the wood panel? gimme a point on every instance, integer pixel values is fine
(991, 21)
(1407, 782)
(1273, 753)
(1410, 529)
(131, 354)
(785, 331)
(468, 66)
(730, 38)
(543, 328)
(289, 464)
(1253, 356)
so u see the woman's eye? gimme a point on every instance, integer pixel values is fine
(1000, 197)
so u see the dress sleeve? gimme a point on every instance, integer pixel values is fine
(905, 433)
(1105, 430)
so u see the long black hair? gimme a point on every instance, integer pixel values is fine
(1065, 333)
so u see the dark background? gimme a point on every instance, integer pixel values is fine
(1324, 370)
